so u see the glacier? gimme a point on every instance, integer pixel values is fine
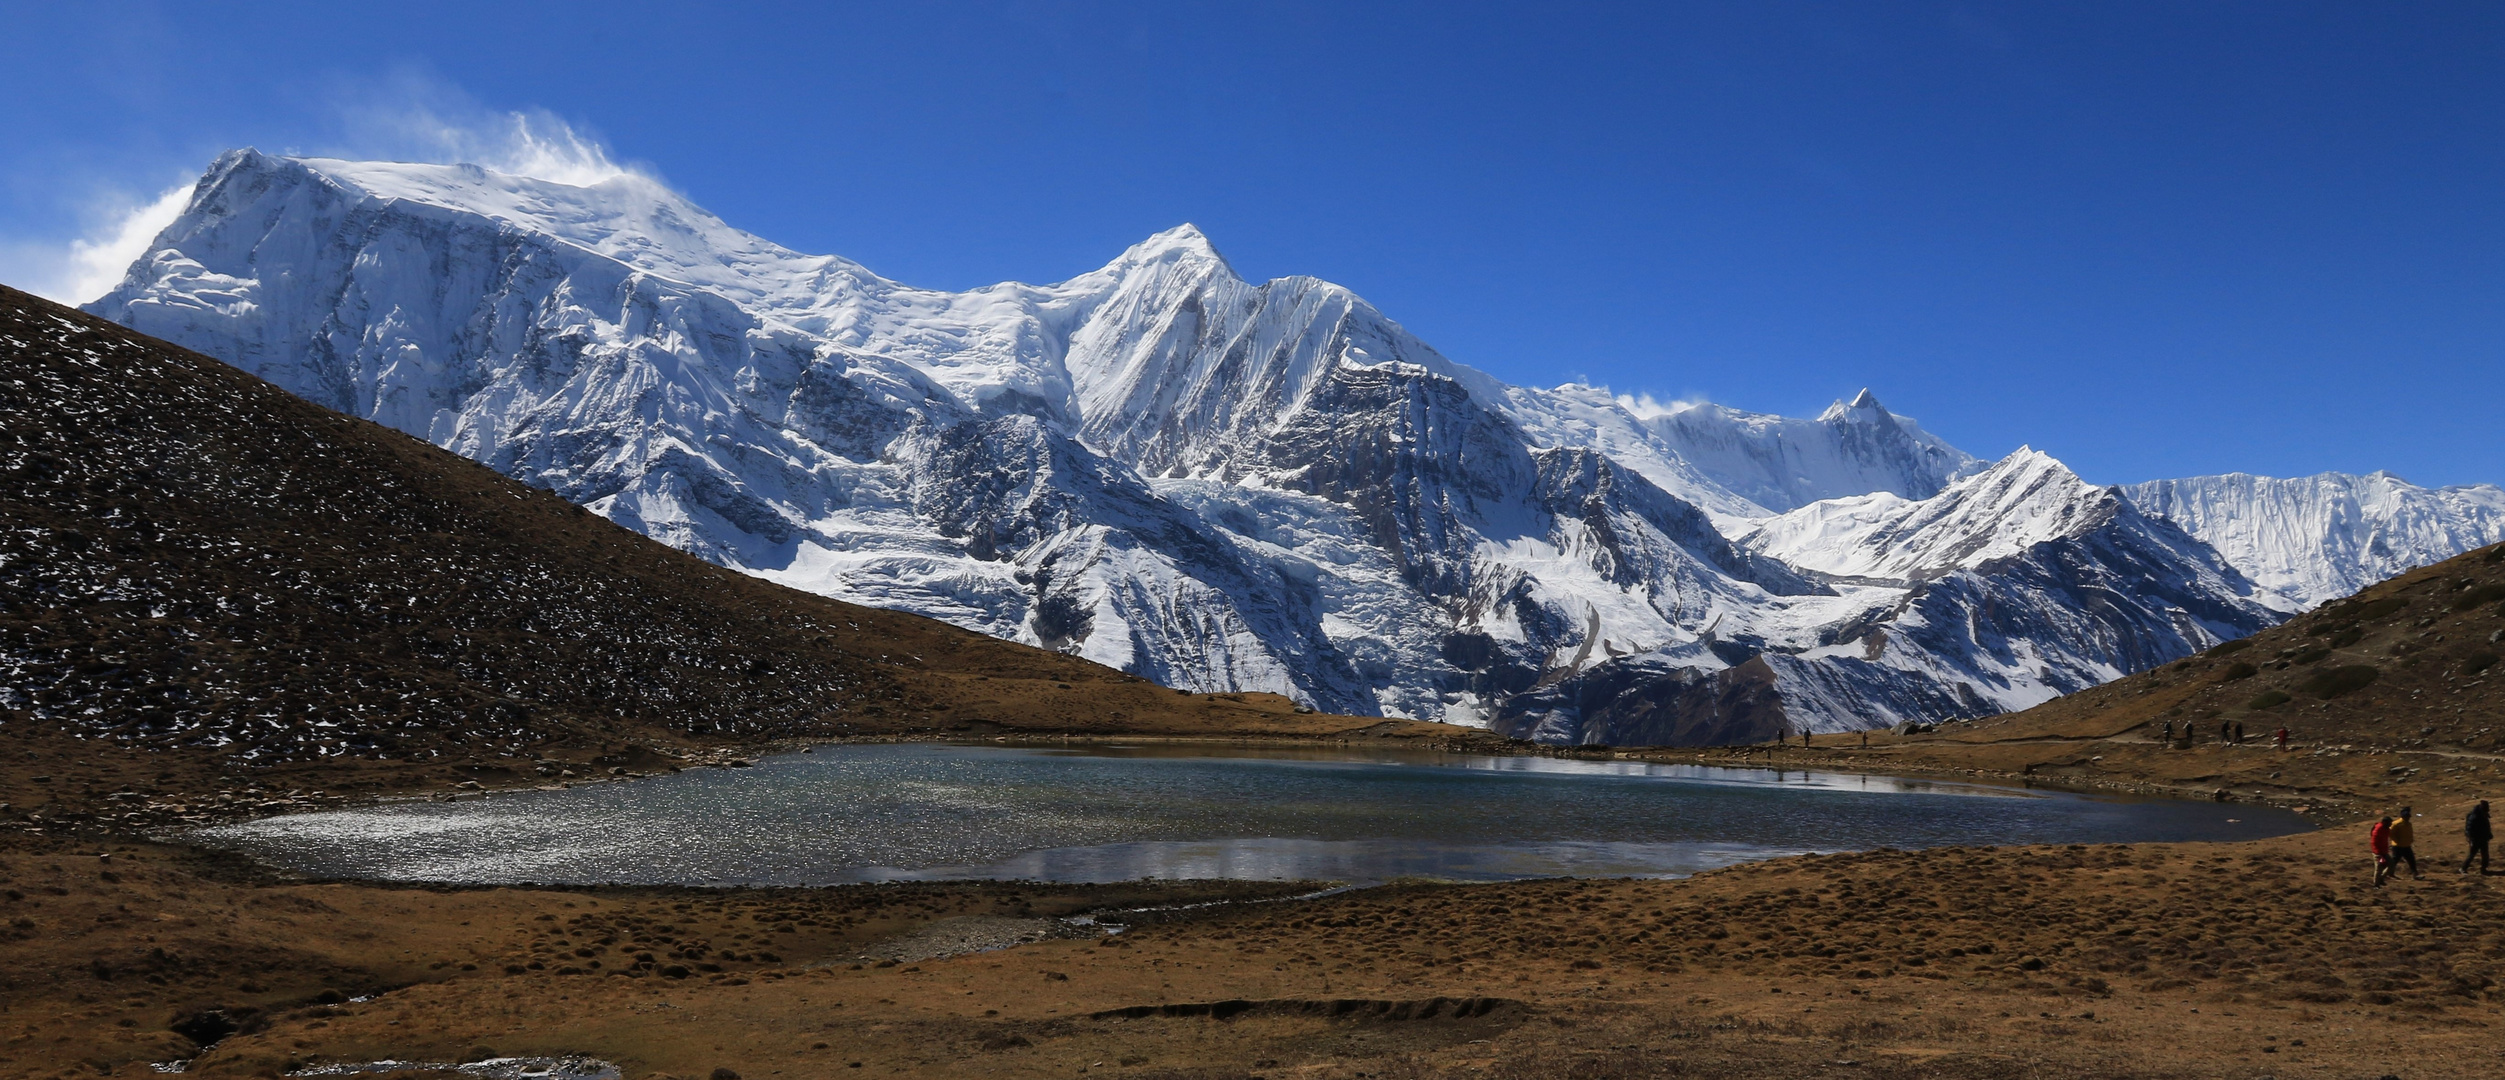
(1217, 484)
(2319, 538)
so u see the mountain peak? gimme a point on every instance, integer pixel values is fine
(2028, 459)
(1864, 403)
(1182, 241)
(2027, 468)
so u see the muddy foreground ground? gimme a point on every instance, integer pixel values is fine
(2275, 958)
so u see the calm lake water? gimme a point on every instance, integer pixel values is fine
(1112, 813)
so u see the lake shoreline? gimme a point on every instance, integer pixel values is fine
(1095, 811)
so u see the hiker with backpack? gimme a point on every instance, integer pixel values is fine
(2475, 829)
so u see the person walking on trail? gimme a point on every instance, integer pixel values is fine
(2239, 733)
(2283, 738)
(2225, 729)
(2404, 839)
(2380, 839)
(2475, 829)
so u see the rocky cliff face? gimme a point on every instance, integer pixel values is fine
(1217, 484)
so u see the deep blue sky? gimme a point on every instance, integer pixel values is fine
(2151, 239)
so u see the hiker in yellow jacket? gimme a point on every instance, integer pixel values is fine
(2404, 833)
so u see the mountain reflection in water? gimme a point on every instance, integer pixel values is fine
(1115, 813)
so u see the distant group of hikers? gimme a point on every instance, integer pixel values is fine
(2230, 732)
(2394, 840)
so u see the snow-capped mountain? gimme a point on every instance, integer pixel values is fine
(1216, 484)
(2318, 538)
(2012, 586)
(2023, 500)
(1782, 463)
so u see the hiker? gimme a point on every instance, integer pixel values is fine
(2475, 829)
(1865, 738)
(2239, 733)
(2404, 837)
(2380, 839)
(2283, 738)
(2225, 729)
(2169, 737)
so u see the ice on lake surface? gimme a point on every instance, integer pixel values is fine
(1114, 813)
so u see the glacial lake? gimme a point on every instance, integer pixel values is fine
(898, 812)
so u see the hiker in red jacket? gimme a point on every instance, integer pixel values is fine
(2380, 839)
(2403, 836)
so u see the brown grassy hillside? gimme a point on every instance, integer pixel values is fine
(199, 570)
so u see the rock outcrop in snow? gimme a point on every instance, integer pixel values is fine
(1217, 484)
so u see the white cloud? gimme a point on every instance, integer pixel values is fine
(90, 266)
(98, 262)
(407, 115)
(532, 143)
(411, 115)
(1646, 406)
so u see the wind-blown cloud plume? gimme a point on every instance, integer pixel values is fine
(89, 266)
(410, 117)
(1646, 406)
(534, 143)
